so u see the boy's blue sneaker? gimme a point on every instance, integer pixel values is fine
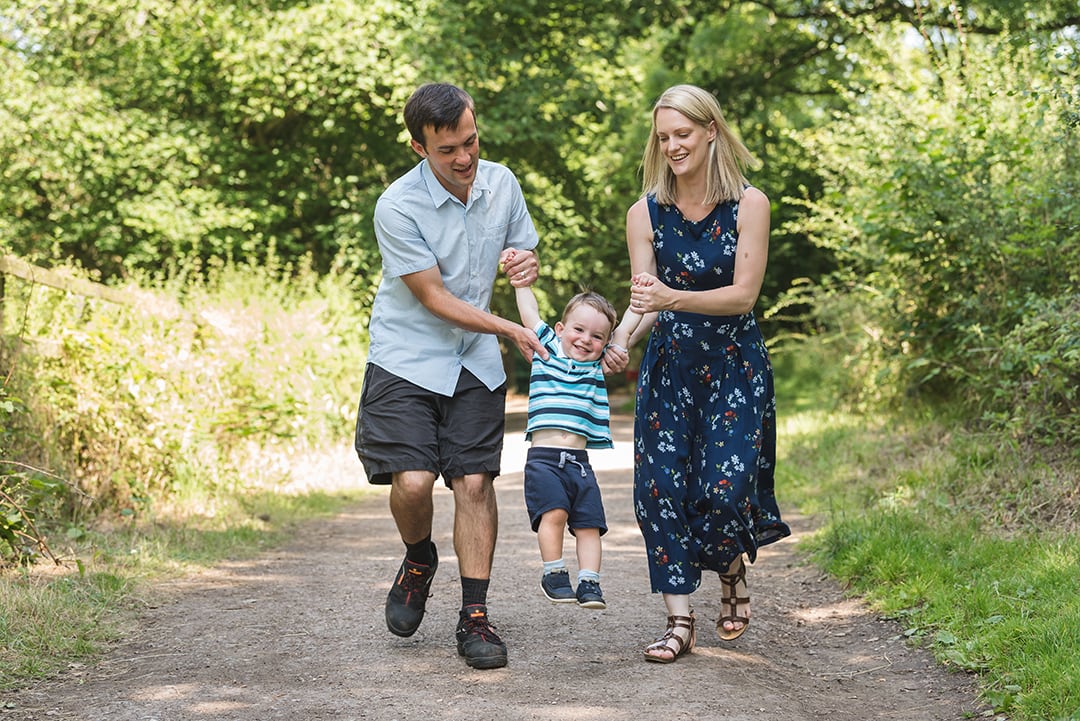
(589, 595)
(557, 588)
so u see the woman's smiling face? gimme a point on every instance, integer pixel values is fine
(684, 143)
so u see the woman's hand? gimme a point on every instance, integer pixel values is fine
(649, 295)
(615, 359)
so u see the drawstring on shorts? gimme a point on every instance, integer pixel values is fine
(566, 457)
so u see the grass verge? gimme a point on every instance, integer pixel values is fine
(969, 540)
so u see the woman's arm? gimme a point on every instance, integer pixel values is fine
(751, 256)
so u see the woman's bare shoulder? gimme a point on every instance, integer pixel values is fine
(754, 196)
(641, 205)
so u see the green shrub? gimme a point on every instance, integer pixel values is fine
(1038, 373)
(952, 208)
(208, 385)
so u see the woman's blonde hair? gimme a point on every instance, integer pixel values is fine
(728, 157)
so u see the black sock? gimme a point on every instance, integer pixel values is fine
(420, 552)
(474, 591)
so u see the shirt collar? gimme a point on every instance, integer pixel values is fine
(440, 195)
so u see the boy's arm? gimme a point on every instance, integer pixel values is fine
(624, 333)
(645, 323)
(528, 308)
(617, 354)
(633, 326)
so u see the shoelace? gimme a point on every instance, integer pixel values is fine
(477, 622)
(412, 580)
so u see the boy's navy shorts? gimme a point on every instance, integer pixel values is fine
(403, 427)
(562, 478)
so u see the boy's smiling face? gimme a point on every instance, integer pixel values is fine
(584, 333)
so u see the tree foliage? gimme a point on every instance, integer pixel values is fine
(160, 135)
(951, 204)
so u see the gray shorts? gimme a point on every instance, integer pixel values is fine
(403, 427)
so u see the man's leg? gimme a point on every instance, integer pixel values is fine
(476, 526)
(411, 504)
(412, 508)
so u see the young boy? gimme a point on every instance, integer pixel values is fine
(568, 413)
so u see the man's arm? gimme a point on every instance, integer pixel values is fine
(428, 288)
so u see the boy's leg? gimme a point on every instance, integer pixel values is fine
(589, 594)
(555, 583)
(589, 549)
(550, 534)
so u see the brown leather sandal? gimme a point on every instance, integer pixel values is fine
(681, 647)
(730, 601)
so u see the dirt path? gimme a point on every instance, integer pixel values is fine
(299, 634)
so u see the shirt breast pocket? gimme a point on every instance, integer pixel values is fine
(492, 238)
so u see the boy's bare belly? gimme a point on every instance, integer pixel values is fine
(555, 438)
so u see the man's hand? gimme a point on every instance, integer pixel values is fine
(520, 266)
(527, 343)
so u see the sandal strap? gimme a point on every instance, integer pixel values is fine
(731, 603)
(674, 622)
(661, 644)
(732, 579)
(681, 622)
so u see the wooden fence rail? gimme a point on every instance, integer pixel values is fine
(19, 268)
(11, 265)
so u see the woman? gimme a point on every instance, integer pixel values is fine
(704, 432)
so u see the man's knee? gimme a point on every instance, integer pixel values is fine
(477, 488)
(412, 485)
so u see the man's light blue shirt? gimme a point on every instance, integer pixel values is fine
(419, 225)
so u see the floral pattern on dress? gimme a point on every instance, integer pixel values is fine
(704, 430)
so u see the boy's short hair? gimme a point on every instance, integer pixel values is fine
(597, 302)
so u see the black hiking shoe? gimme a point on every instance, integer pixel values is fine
(408, 596)
(477, 640)
(556, 586)
(589, 595)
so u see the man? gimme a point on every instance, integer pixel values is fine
(433, 401)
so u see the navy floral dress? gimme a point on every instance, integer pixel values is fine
(705, 425)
